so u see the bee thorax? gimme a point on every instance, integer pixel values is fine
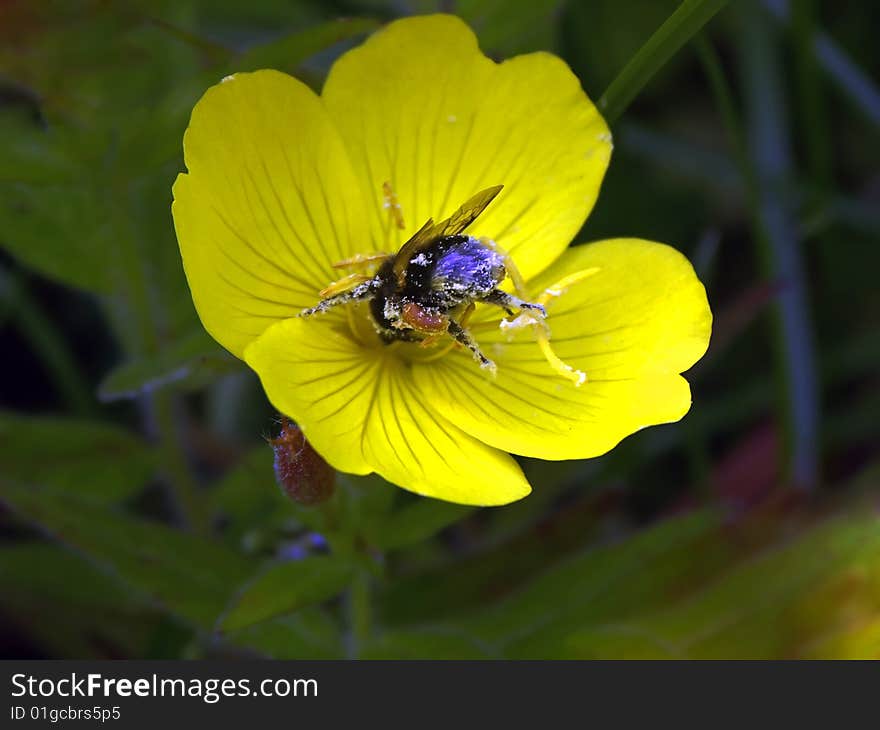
(468, 268)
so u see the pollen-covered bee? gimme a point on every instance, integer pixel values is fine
(429, 287)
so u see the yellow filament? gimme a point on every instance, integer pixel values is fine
(343, 284)
(440, 353)
(526, 317)
(519, 285)
(542, 330)
(394, 210)
(561, 368)
(466, 317)
(361, 261)
(564, 283)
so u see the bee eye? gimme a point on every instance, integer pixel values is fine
(423, 319)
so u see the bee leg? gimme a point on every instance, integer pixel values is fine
(461, 335)
(466, 317)
(361, 291)
(508, 301)
(462, 322)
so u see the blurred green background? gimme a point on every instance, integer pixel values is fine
(139, 516)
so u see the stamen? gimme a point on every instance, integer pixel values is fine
(577, 377)
(442, 352)
(526, 318)
(468, 313)
(542, 329)
(394, 210)
(561, 286)
(343, 284)
(361, 261)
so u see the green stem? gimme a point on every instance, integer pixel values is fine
(779, 246)
(678, 29)
(177, 471)
(767, 171)
(730, 118)
(837, 65)
(360, 612)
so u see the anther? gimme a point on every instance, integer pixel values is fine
(394, 210)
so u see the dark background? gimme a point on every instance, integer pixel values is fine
(139, 516)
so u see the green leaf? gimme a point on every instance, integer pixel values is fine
(153, 135)
(685, 589)
(188, 576)
(777, 605)
(189, 364)
(86, 458)
(678, 29)
(249, 496)
(603, 583)
(285, 588)
(61, 231)
(184, 574)
(419, 521)
(362, 504)
(101, 620)
(35, 157)
(441, 642)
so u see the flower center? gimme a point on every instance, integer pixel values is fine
(435, 347)
(425, 295)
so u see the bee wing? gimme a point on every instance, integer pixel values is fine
(420, 239)
(468, 212)
(455, 224)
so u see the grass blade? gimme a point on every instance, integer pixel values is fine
(678, 29)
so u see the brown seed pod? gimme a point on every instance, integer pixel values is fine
(300, 471)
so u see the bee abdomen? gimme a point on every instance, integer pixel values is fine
(424, 319)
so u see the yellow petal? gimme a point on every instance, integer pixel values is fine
(420, 106)
(359, 408)
(632, 327)
(268, 205)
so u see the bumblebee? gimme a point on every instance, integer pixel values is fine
(430, 286)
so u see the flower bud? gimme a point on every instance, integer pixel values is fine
(300, 471)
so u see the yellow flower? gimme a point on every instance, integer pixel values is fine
(282, 184)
